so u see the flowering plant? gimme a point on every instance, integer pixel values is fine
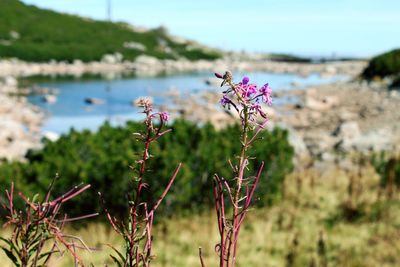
(137, 233)
(38, 225)
(246, 99)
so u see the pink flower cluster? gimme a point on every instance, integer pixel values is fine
(147, 105)
(245, 96)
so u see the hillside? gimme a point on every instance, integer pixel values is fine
(33, 34)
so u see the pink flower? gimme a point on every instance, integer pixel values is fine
(251, 90)
(256, 107)
(225, 100)
(164, 116)
(247, 90)
(220, 76)
(266, 92)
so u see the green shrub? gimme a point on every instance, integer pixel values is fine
(388, 167)
(395, 83)
(102, 159)
(383, 65)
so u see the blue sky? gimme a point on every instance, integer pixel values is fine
(306, 27)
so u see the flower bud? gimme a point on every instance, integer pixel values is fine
(218, 75)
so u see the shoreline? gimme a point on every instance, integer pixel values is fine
(326, 122)
(22, 121)
(149, 66)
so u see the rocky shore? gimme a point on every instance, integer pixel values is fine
(325, 122)
(149, 66)
(19, 122)
(329, 120)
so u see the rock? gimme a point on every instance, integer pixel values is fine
(51, 99)
(14, 35)
(378, 140)
(10, 81)
(94, 101)
(347, 115)
(315, 104)
(147, 60)
(331, 101)
(51, 136)
(319, 141)
(348, 130)
(213, 82)
(135, 45)
(297, 141)
(394, 93)
(78, 62)
(112, 58)
(327, 156)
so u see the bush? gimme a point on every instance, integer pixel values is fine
(102, 159)
(388, 167)
(383, 65)
(395, 83)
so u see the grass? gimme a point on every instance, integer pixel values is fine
(304, 214)
(33, 34)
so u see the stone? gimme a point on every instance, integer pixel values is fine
(10, 81)
(135, 45)
(51, 136)
(348, 130)
(315, 104)
(112, 58)
(51, 99)
(297, 141)
(94, 101)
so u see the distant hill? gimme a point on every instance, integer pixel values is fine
(33, 34)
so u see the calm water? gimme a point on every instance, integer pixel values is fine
(70, 110)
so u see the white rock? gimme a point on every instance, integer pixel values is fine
(135, 45)
(51, 99)
(348, 130)
(10, 81)
(51, 136)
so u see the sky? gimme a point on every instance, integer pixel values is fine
(357, 28)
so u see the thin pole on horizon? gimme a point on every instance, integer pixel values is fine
(109, 10)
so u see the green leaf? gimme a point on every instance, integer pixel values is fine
(118, 253)
(116, 261)
(45, 254)
(5, 240)
(11, 256)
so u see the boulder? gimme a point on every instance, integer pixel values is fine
(51, 99)
(348, 130)
(297, 142)
(94, 101)
(52, 136)
(112, 58)
(10, 81)
(377, 140)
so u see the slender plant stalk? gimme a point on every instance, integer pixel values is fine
(138, 234)
(38, 224)
(245, 98)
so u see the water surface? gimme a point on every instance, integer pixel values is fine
(71, 111)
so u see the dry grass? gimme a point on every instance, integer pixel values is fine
(287, 234)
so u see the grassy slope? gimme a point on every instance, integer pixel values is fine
(45, 35)
(267, 236)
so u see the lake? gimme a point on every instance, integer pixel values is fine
(71, 111)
